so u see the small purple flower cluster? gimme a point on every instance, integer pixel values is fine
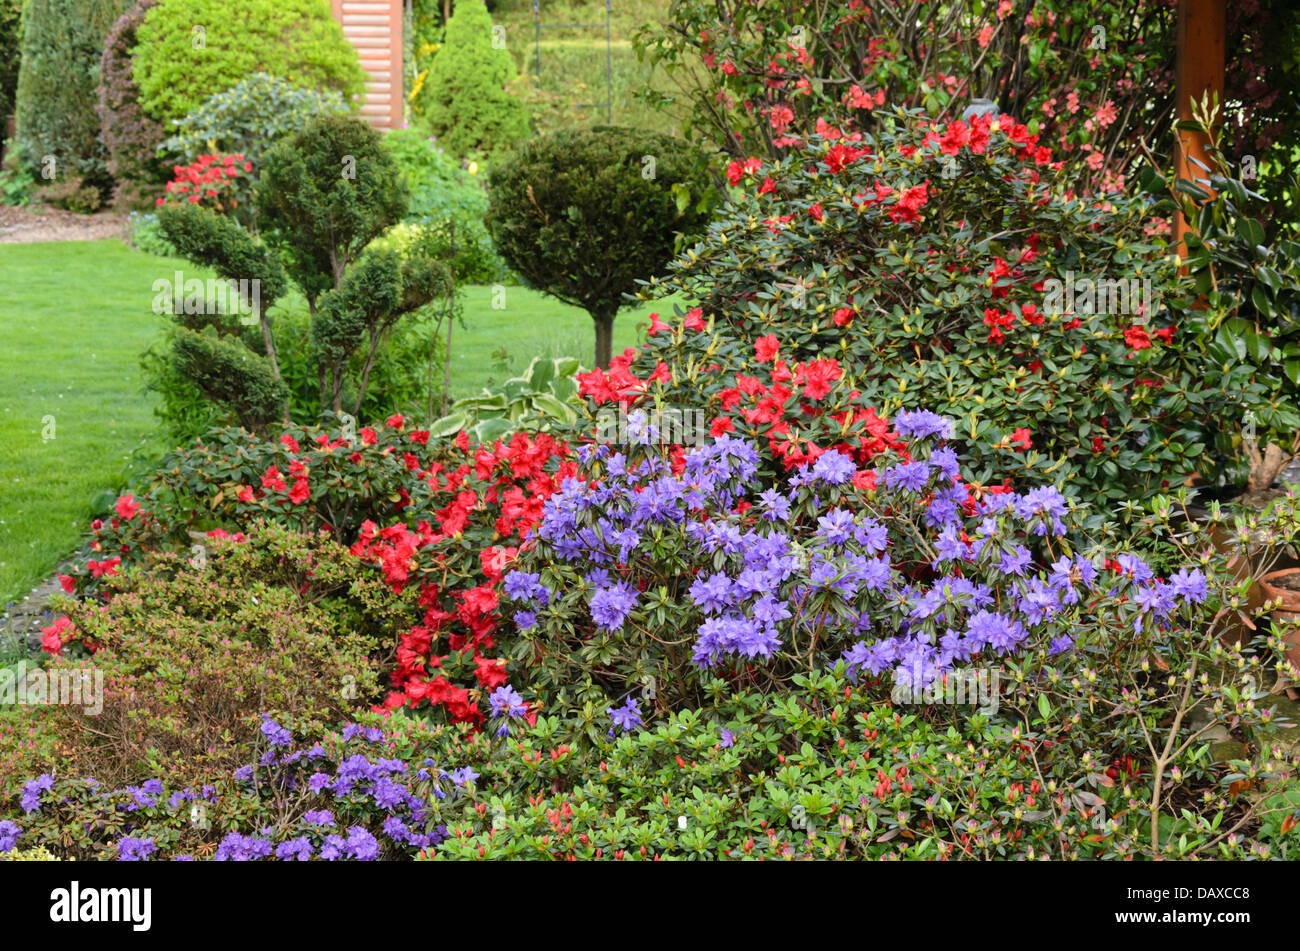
(361, 784)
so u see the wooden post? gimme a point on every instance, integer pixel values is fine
(1202, 27)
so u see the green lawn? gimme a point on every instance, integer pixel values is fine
(495, 345)
(74, 318)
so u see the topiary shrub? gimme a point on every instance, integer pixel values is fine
(326, 192)
(130, 136)
(250, 117)
(190, 49)
(464, 98)
(586, 215)
(57, 122)
(324, 195)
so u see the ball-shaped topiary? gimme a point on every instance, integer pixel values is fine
(584, 215)
(190, 49)
(57, 125)
(464, 99)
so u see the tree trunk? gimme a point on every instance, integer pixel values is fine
(604, 338)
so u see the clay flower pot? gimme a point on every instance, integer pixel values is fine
(1284, 586)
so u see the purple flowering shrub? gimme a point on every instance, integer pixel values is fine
(681, 586)
(357, 794)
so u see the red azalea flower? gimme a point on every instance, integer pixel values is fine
(694, 319)
(1136, 337)
(52, 639)
(765, 348)
(126, 507)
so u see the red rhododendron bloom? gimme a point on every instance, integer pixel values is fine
(910, 204)
(127, 507)
(765, 348)
(694, 319)
(496, 560)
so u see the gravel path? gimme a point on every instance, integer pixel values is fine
(42, 223)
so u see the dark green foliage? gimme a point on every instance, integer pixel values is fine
(464, 100)
(9, 43)
(585, 215)
(130, 136)
(325, 193)
(57, 92)
(216, 241)
(228, 372)
(190, 49)
(376, 292)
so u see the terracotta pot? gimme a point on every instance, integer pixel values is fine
(1287, 610)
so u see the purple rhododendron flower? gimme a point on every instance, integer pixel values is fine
(610, 606)
(921, 423)
(135, 850)
(626, 717)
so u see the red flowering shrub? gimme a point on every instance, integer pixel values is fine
(220, 182)
(439, 520)
(936, 267)
(1093, 79)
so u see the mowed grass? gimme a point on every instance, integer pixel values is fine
(74, 319)
(496, 344)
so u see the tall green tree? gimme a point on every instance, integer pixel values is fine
(58, 80)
